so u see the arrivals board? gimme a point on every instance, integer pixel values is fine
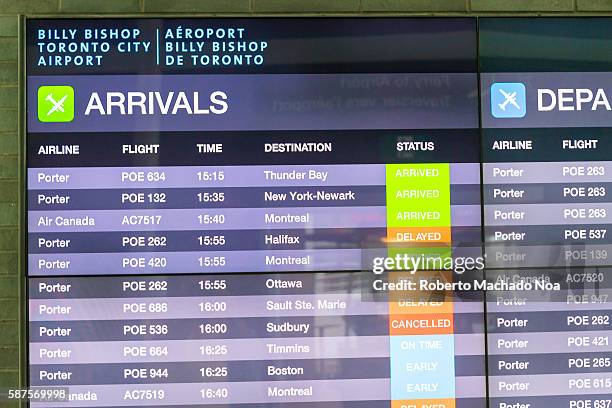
(207, 201)
(200, 195)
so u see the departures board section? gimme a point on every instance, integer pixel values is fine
(200, 195)
(547, 180)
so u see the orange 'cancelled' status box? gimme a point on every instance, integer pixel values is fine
(437, 323)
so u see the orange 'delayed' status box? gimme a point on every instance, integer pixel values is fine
(424, 403)
(419, 235)
(416, 307)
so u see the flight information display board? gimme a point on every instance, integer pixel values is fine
(547, 207)
(200, 193)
